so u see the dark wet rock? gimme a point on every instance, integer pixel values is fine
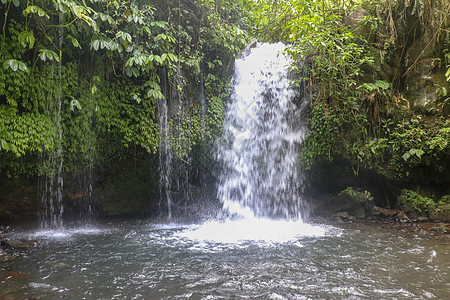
(127, 185)
(443, 228)
(354, 201)
(5, 256)
(421, 219)
(4, 229)
(359, 202)
(402, 217)
(359, 212)
(343, 215)
(19, 204)
(20, 244)
(384, 212)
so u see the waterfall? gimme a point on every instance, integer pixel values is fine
(165, 156)
(66, 196)
(263, 131)
(203, 105)
(52, 184)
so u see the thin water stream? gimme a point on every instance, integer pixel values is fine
(141, 260)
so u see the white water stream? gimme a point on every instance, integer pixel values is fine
(263, 131)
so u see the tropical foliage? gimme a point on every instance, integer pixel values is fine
(94, 82)
(364, 60)
(90, 76)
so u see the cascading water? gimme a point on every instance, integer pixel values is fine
(263, 131)
(66, 200)
(51, 185)
(165, 158)
(260, 185)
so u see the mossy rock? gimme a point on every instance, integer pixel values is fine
(439, 213)
(413, 203)
(445, 199)
(357, 202)
(343, 215)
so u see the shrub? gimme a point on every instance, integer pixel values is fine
(412, 202)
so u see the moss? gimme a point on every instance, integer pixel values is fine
(445, 199)
(439, 213)
(412, 202)
(357, 195)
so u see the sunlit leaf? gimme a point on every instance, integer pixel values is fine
(46, 54)
(74, 103)
(26, 38)
(15, 65)
(33, 9)
(95, 45)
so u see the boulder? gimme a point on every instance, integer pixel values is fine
(421, 219)
(343, 215)
(20, 244)
(402, 217)
(384, 212)
(439, 213)
(356, 202)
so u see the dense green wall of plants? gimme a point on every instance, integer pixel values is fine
(107, 60)
(81, 81)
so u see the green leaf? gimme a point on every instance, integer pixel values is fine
(48, 54)
(136, 97)
(4, 145)
(75, 42)
(33, 9)
(125, 36)
(15, 65)
(74, 103)
(406, 156)
(26, 38)
(95, 44)
(161, 24)
(82, 13)
(419, 153)
(156, 94)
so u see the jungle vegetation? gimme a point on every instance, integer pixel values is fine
(83, 82)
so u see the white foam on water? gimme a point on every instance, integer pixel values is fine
(253, 229)
(65, 233)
